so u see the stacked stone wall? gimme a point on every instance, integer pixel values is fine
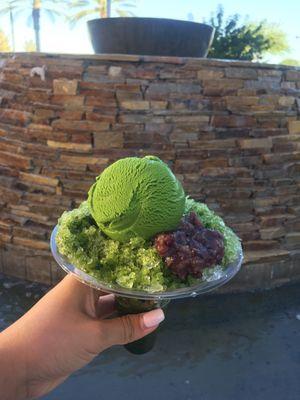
(229, 130)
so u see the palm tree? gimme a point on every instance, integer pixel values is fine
(100, 8)
(52, 8)
(4, 43)
(10, 7)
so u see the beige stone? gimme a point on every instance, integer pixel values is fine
(210, 74)
(294, 127)
(38, 179)
(265, 255)
(34, 244)
(114, 71)
(65, 86)
(69, 146)
(286, 101)
(135, 105)
(83, 160)
(158, 105)
(272, 233)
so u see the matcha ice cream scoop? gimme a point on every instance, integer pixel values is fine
(136, 197)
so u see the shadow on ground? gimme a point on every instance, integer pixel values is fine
(224, 347)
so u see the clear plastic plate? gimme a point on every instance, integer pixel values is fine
(219, 278)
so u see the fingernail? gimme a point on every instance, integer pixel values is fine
(153, 318)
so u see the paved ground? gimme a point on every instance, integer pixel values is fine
(229, 347)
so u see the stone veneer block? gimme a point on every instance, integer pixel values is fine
(229, 129)
(294, 127)
(65, 86)
(38, 268)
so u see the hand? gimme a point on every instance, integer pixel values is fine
(63, 332)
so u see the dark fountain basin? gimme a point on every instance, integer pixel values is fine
(150, 36)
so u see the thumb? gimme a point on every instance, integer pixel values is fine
(126, 329)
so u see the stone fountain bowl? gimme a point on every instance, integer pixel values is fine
(150, 36)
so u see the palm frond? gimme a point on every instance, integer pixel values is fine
(52, 14)
(79, 3)
(124, 13)
(73, 19)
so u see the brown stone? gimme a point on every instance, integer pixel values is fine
(241, 102)
(163, 88)
(41, 114)
(105, 100)
(264, 85)
(283, 157)
(13, 263)
(10, 195)
(187, 119)
(158, 105)
(34, 244)
(241, 73)
(15, 116)
(265, 255)
(57, 273)
(91, 126)
(65, 86)
(214, 144)
(15, 160)
(95, 89)
(106, 140)
(260, 245)
(159, 128)
(140, 119)
(274, 220)
(97, 69)
(78, 185)
(221, 87)
(101, 117)
(10, 146)
(292, 240)
(68, 102)
(233, 121)
(5, 238)
(206, 74)
(124, 95)
(255, 143)
(272, 233)
(70, 114)
(37, 95)
(292, 75)
(38, 269)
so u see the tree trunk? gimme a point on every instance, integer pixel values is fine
(108, 8)
(36, 27)
(12, 29)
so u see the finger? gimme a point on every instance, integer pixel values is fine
(129, 328)
(105, 306)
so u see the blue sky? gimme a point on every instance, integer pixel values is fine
(60, 38)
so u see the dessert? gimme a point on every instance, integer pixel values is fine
(138, 230)
(136, 197)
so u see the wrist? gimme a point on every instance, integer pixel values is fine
(13, 380)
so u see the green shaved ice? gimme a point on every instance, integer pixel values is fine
(79, 239)
(211, 220)
(135, 264)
